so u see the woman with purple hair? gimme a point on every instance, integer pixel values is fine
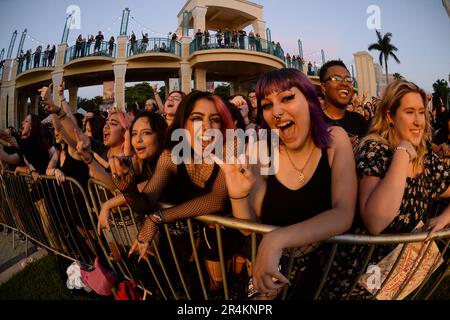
(311, 195)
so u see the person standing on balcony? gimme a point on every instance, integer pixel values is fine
(206, 34)
(258, 42)
(98, 41)
(51, 56)
(252, 40)
(45, 56)
(198, 39)
(37, 57)
(227, 37)
(144, 42)
(219, 37)
(28, 59)
(310, 69)
(288, 60)
(83, 47)
(78, 46)
(111, 46)
(133, 41)
(234, 39)
(173, 42)
(242, 35)
(20, 59)
(89, 43)
(278, 50)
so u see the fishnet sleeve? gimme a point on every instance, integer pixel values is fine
(212, 202)
(150, 190)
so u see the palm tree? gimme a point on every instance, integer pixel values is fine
(386, 49)
(397, 76)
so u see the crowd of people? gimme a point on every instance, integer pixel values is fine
(83, 46)
(39, 58)
(152, 45)
(338, 171)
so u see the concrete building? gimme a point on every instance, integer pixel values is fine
(158, 59)
(380, 78)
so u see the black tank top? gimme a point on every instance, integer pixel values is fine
(186, 189)
(76, 169)
(283, 206)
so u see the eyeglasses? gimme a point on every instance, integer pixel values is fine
(339, 79)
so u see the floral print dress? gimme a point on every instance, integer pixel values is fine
(374, 159)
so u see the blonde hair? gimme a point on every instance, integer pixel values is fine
(381, 130)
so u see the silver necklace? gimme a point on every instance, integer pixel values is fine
(301, 175)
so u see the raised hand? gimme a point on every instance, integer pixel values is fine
(61, 89)
(238, 101)
(121, 164)
(83, 147)
(238, 177)
(47, 100)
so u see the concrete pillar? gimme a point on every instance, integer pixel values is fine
(34, 101)
(73, 95)
(185, 43)
(200, 79)
(60, 55)
(237, 88)
(7, 66)
(120, 69)
(167, 84)
(259, 27)
(22, 105)
(199, 15)
(14, 66)
(186, 77)
(121, 50)
(12, 106)
(365, 74)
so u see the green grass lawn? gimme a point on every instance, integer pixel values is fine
(42, 280)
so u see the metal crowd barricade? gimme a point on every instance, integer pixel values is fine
(255, 229)
(64, 219)
(57, 217)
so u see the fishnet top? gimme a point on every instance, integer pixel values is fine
(212, 201)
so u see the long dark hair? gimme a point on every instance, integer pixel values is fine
(96, 123)
(37, 132)
(285, 79)
(34, 148)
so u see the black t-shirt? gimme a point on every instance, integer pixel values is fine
(352, 122)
